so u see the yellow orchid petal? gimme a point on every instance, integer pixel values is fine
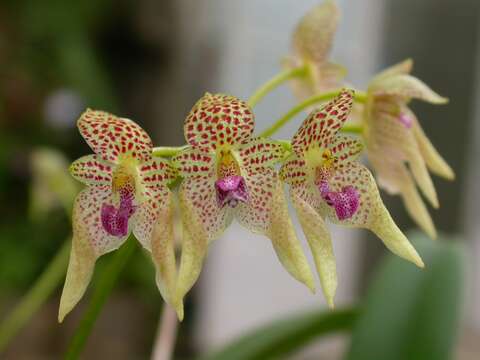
(402, 68)
(398, 180)
(163, 253)
(90, 241)
(371, 213)
(194, 249)
(432, 158)
(407, 87)
(313, 36)
(285, 242)
(319, 241)
(114, 138)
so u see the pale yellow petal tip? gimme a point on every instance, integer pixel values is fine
(417, 260)
(62, 312)
(331, 304)
(180, 311)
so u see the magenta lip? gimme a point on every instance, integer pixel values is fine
(231, 190)
(115, 221)
(345, 202)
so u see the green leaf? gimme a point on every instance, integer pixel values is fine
(282, 337)
(412, 313)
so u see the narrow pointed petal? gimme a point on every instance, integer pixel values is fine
(433, 159)
(402, 68)
(398, 180)
(90, 241)
(393, 238)
(388, 137)
(266, 213)
(217, 120)
(194, 249)
(113, 138)
(319, 241)
(371, 213)
(313, 36)
(406, 87)
(319, 128)
(285, 242)
(163, 252)
(92, 170)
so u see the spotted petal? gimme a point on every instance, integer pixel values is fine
(345, 147)
(91, 170)
(193, 162)
(266, 213)
(313, 36)
(90, 241)
(294, 170)
(319, 128)
(371, 213)
(202, 199)
(218, 120)
(405, 87)
(113, 138)
(157, 171)
(318, 239)
(260, 152)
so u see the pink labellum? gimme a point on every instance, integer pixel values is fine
(406, 120)
(345, 202)
(115, 221)
(230, 190)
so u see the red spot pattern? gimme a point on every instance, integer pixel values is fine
(91, 170)
(261, 152)
(257, 212)
(320, 127)
(194, 162)
(294, 170)
(345, 148)
(112, 137)
(218, 120)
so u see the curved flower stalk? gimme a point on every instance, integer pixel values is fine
(228, 173)
(126, 191)
(312, 41)
(327, 183)
(395, 139)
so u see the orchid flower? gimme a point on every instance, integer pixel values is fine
(312, 41)
(395, 139)
(126, 191)
(229, 174)
(327, 183)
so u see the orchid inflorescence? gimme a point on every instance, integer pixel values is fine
(226, 172)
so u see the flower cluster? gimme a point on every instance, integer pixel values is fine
(226, 172)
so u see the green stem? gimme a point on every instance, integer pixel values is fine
(359, 97)
(103, 287)
(168, 151)
(274, 82)
(31, 302)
